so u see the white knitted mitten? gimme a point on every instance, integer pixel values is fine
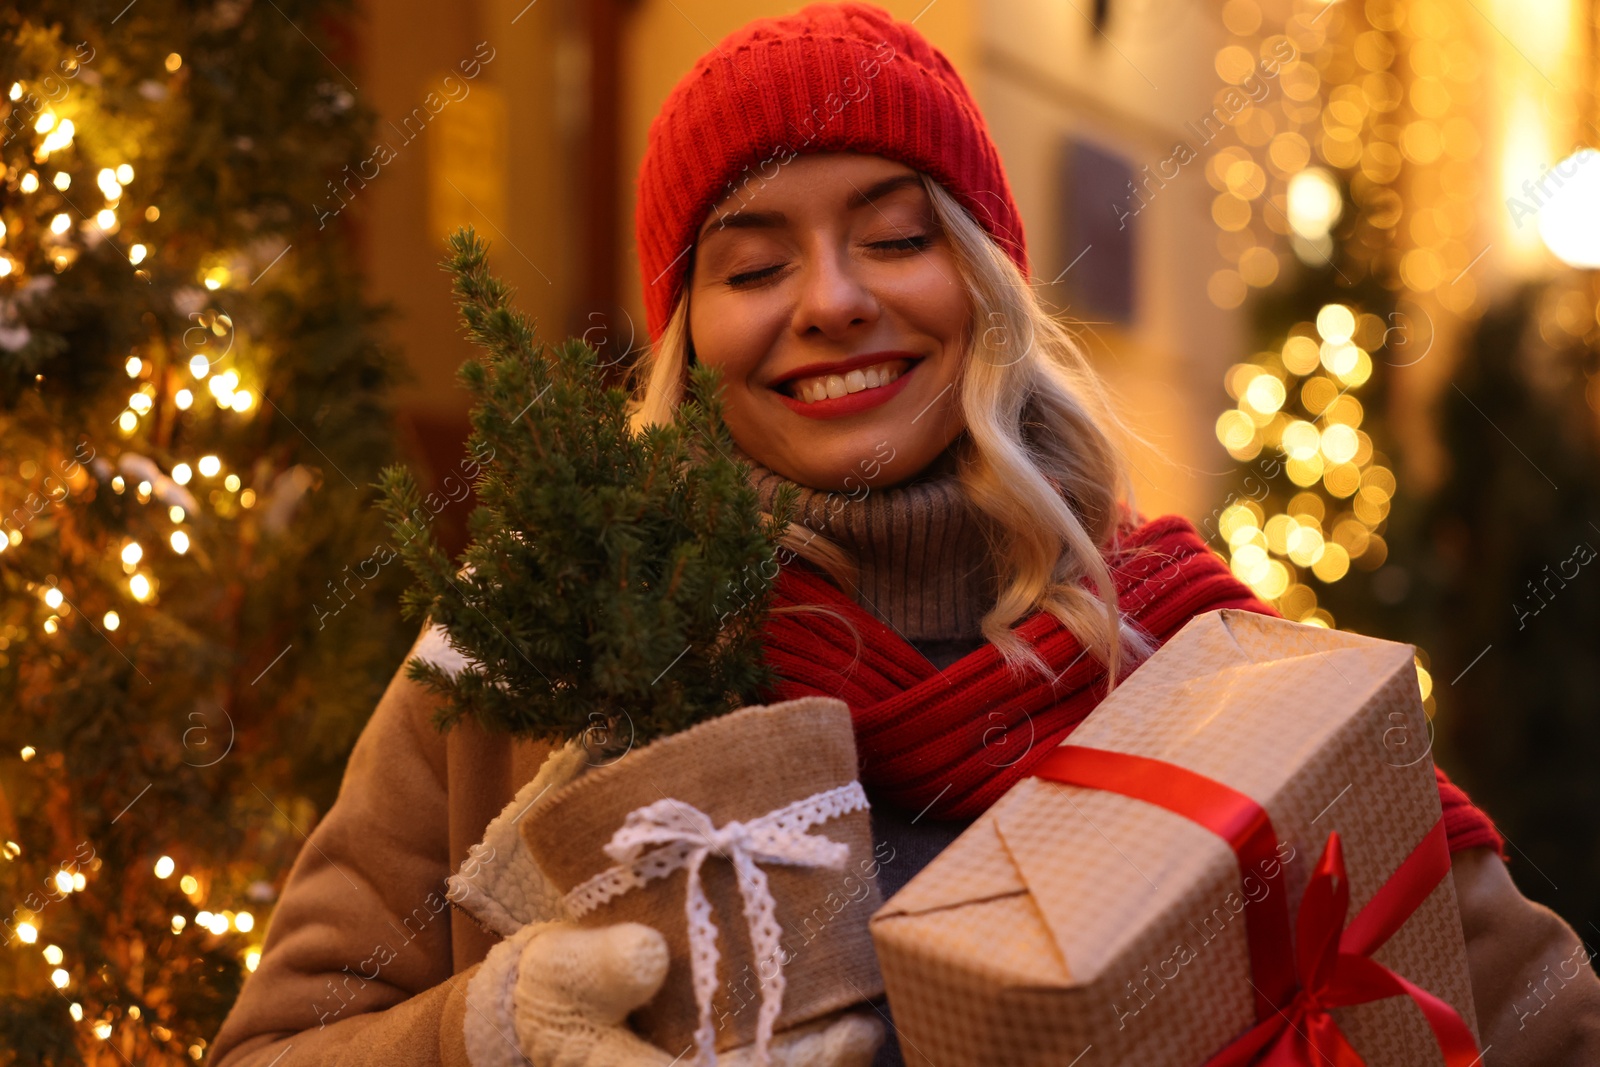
(575, 988)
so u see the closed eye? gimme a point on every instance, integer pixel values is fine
(915, 243)
(752, 276)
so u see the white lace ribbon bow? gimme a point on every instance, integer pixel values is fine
(659, 838)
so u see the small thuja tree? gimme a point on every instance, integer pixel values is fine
(614, 580)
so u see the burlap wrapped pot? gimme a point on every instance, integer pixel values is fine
(740, 766)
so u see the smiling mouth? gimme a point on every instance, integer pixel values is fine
(811, 389)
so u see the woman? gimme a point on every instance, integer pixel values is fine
(823, 216)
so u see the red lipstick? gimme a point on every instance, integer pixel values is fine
(850, 403)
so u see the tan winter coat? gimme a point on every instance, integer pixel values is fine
(366, 962)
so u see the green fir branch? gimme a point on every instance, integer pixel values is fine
(615, 581)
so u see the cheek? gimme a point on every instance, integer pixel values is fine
(728, 333)
(930, 297)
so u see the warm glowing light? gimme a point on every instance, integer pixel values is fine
(144, 489)
(59, 138)
(102, 1029)
(1265, 393)
(244, 922)
(1336, 323)
(242, 400)
(175, 513)
(210, 465)
(44, 122)
(1234, 518)
(1235, 430)
(63, 881)
(217, 277)
(174, 61)
(124, 173)
(199, 366)
(231, 483)
(53, 597)
(183, 398)
(252, 959)
(60, 224)
(1273, 580)
(76, 1011)
(62, 180)
(1314, 203)
(111, 620)
(178, 923)
(29, 182)
(52, 624)
(247, 499)
(1300, 440)
(16, 90)
(132, 553)
(139, 586)
(180, 542)
(140, 403)
(181, 474)
(106, 219)
(165, 866)
(107, 180)
(27, 753)
(1339, 444)
(28, 933)
(134, 366)
(189, 885)
(1333, 563)
(137, 253)
(1570, 222)
(53, 955)
(59, 978)
(79, 881)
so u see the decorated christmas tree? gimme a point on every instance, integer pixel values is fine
(1310, 210)
(192, 417)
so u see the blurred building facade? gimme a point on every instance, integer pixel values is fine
(1078, 101)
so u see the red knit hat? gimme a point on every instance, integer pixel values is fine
(828, 78)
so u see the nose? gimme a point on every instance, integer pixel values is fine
(833, 299)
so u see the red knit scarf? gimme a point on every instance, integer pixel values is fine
(949, 743)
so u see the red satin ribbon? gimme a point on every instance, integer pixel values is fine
(1329, 966)
(1229, 814)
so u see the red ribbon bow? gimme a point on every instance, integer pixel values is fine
(1330, 965)
(1334, 971)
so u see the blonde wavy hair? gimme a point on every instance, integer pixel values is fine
(1039, 466)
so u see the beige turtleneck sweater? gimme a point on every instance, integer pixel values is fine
(923, 558)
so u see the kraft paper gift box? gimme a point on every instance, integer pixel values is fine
(1078, 925)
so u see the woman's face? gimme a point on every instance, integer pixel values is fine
(830, 300)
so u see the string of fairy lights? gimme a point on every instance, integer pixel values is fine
(161, 388)
(1369, 108)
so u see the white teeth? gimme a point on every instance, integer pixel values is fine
(824, 387)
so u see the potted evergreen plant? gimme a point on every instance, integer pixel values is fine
(614, 589)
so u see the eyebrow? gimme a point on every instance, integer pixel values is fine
(859, 198)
